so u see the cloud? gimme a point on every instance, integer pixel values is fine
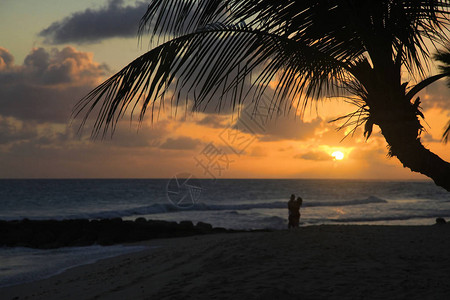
(63, 66)
(36, 100)
(214, 121)
(315, 156)
(276, 128)
(147, 136)
(29, 149)
(436, 94)
(48, 84)
(12, 130)
(428, 138)
(92, 26)
(6, 59)
(258, 151)
(180, 143)
(290, 129)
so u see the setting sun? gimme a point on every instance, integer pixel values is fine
(337, 155)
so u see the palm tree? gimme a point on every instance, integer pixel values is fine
(211, 50)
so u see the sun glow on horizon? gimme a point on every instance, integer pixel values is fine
(337, 155)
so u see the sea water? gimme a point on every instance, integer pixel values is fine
(229, 203)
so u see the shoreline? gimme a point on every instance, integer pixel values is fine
(314, 262)
(46, 263)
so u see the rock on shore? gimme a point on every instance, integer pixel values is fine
(47, 234)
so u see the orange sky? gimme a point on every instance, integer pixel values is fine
(40, 82)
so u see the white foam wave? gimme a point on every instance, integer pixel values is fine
(159, 208)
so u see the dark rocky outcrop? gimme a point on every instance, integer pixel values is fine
(440, 221)
(204, 227)
(82, 232)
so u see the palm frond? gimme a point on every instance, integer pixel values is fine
(443, 57)
(354, 120)
(376, 27)
(424, 83)
(358, 117)
(446, 134)
(211, 49)
(202, 62)
(177, 18)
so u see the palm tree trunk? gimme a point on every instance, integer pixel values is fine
(404, 143)
(393, 110)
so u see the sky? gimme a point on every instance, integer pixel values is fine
(53, 52)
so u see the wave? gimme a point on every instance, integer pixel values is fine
(368, 200)
(428, 215)
(159, 208)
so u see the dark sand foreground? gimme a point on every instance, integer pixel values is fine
(318, 262)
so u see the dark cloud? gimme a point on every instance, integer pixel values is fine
(6, 59)
(270, 127)
(436, 94)
(29, 149)
(37, 98)
(285, 128)
(13, 131)
(180, 143)
(314, 155)
(90, 26)
(147, 136)
(48, 84)
(428, 138)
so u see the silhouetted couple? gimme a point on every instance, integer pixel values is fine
(294, 211)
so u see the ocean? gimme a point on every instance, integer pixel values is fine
(229, 203)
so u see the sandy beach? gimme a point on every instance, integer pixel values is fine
(317, 262)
